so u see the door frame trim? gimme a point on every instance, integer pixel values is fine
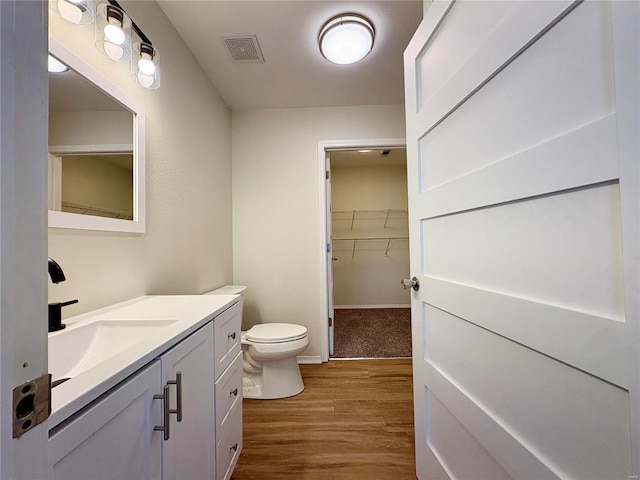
(325, 146)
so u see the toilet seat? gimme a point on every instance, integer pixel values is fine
(275, 333)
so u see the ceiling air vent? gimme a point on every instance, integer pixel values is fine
(243, 48)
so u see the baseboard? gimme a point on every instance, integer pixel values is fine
(344, 307)
(304, 359)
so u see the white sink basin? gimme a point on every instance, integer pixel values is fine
(101, 348)
(79, 348)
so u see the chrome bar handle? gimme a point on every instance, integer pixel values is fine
(165, 412)
(178, 383)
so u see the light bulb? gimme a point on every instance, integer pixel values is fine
(69, 11)
(114, 34)
(146, 66)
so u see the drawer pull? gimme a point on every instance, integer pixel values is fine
(234, 392)
(234, 447)
(232, 335)
(178, 383)
(165, 412)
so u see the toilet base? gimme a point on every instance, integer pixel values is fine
(278, 379)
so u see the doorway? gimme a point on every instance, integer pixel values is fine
(367, 202)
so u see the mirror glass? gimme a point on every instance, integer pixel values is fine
(96, 151)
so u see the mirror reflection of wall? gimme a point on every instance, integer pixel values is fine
(91, 149)
(92, 184)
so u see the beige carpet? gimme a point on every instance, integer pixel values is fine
(372, 333)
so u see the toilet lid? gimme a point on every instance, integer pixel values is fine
(275, 332)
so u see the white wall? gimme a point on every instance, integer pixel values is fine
(369, 273)
(90, 128)
(277, 246)
(96, 181)
(187, 246)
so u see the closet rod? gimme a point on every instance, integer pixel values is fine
(378, 210)
(405, 237)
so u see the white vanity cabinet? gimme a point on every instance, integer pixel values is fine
(117, 436)
(187, 451)
(228, 391)
(113, 438)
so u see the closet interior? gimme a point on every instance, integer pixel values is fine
(370, 241)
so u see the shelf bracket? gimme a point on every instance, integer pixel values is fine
(386, 220)
(387, 249)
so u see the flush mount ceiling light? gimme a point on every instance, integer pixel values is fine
(346, 38)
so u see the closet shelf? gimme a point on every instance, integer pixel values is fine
(387, 213)
(72, 207)
(356, 240)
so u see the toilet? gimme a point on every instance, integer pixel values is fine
(269, 350)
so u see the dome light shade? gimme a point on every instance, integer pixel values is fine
(346, 38)
(77, 12)
(145, 65)
(113, 32)
(56, 66)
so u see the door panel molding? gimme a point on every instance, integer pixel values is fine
(553, 325)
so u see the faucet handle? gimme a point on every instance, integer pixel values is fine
(70, 302)
(55, 315)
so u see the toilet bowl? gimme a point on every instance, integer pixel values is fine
(269, 350)
(270, 366)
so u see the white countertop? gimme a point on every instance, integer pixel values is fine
(188, 312)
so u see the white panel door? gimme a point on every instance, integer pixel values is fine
(522, 142)
(189, 453)
(330, 257)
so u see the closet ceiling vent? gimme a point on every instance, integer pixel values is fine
(243, 48)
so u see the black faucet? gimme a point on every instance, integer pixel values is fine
(55, 309)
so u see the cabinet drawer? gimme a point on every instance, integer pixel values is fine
(228, 392)
(229, 447)
(227, 337)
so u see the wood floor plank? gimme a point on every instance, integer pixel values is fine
(353, 421)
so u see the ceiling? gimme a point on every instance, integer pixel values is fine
(294, 73)
(71, 92)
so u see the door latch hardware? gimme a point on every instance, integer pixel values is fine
(413, 283)
(31, 404)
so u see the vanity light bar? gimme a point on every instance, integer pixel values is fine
(135, 27)
(113, 36)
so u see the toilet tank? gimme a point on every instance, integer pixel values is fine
(228, 290)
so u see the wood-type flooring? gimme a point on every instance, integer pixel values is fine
(354, 421)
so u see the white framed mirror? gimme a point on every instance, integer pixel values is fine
(96, 157)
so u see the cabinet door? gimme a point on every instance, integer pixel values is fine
(113, 438)
(189, 453)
